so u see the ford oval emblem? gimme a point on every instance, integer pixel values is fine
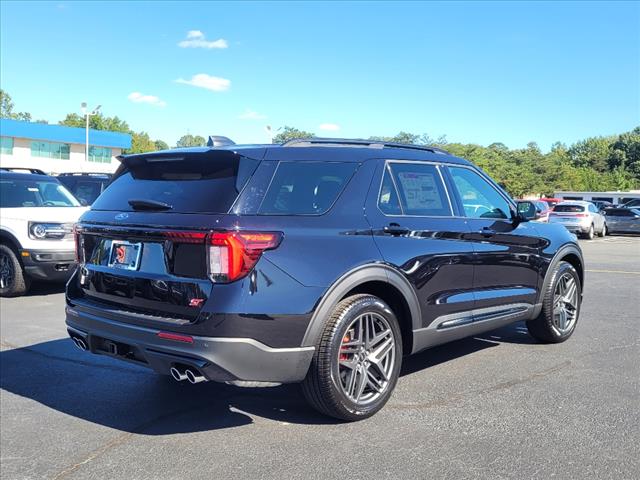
(122, 216)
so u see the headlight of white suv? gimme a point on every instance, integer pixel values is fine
(49, 231)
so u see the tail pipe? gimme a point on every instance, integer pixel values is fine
(177, 375)
(80, 343)
(194, 376)
(191, 374)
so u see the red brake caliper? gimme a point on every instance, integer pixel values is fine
(345, 339)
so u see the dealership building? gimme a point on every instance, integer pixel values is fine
(59, 149)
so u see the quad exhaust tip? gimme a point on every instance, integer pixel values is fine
(191, 375)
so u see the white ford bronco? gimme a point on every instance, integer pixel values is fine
(37, 214)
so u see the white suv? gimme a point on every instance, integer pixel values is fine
(579, 217)
(37, 214)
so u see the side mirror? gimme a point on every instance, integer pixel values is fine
(83, 202)
(526, 211)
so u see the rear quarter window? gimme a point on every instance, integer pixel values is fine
(306, 188)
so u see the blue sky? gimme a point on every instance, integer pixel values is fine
(477, 72)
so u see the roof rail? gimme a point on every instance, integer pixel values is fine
(309, 142)
(73, 174)
(35, 171)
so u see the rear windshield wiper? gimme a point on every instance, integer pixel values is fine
(137, 204)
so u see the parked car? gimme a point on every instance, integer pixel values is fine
(602, 204)
(579, 217)
(85, 186)
(623, 220)
(635, 203)
(551, 201)
(542, 209)
(37, 214)
(319, 261)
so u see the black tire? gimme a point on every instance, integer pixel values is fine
(590, 234)
(320, 386)
(603, 232)
(542, 328)
(17, 283)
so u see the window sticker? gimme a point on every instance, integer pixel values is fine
(420, 190)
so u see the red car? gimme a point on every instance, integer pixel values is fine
(551, 201)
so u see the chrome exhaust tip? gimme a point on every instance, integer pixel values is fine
(177, 376)
(194, 377)
(80, 343)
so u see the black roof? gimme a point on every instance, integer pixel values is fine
(336, 149)
(9, 175)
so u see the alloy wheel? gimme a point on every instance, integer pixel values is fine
(366, 358)
(565, 304)
(7, 274)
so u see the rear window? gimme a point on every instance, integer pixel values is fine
(306, 188)
(202, 182)
(568, 208)
(16, 193)
(620, 212)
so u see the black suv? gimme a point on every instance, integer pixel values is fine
(84, 185)
(319, 261)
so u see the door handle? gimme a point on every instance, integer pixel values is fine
(487, 232)
(395, 229)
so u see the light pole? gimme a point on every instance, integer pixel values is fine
(87, 114)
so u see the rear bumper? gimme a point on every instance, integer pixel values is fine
(48, 265)
(217, 358)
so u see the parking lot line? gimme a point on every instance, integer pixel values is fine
(623, 272)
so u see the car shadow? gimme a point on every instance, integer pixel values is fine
(130, 398)
(45, 288)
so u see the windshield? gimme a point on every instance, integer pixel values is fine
(16, 193)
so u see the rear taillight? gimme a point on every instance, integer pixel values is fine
(232, 255)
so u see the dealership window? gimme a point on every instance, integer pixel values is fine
(100, 154)
(6, 145)
(59, 151)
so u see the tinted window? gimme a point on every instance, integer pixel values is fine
(479, 198)
(619, 212)
(419, 189)
(568, 208)
(207, 182)
(388, 201)
(305, 188)
(32, 193)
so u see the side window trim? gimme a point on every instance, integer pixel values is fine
(507, 199)
(445, 185)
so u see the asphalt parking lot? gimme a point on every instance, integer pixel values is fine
(495, 406)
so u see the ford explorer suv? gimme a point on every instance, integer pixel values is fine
(320, 261)
(37, 215)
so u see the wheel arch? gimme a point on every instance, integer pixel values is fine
(8, 238)
(380, 280)
(568, 253)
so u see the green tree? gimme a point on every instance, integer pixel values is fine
(140, 143)
(160, 145)
(290, 133)
(189, 140)
(6, 108)
(97, 122)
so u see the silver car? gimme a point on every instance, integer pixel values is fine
(579, 217)
(623, 220)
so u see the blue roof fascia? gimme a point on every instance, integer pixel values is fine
(60, 133)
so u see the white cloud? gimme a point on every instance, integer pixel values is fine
(196, 39)
(138, 97)
(251, 115)
(331, 127)
(209, 82)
